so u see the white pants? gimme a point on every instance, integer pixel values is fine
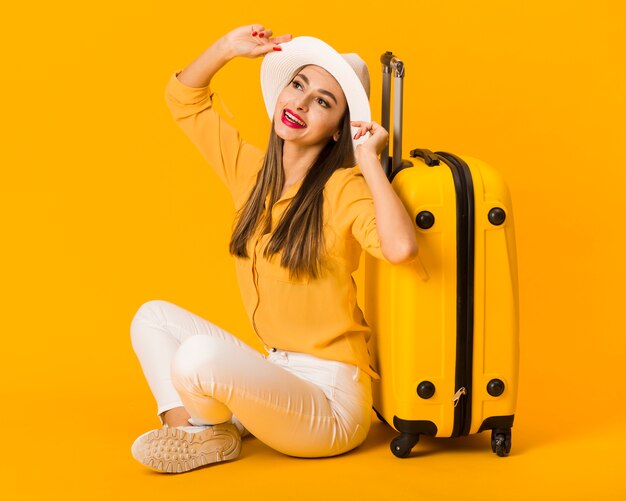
(295, 403)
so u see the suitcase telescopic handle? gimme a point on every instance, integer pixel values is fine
(392, 64)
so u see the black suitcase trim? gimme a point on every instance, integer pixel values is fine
(495, 422)
(465, 209)
(415, 427)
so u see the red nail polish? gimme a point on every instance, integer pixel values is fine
(261, 35)
(277, 48)
(254, 33)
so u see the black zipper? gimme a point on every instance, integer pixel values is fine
(464, 189)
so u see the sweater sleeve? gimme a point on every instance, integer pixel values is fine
(357, 207)
(235, 161)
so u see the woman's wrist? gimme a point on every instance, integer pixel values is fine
(367, 157)
(223, 50)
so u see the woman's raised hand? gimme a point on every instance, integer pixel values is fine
(379, 137)
(252, 40)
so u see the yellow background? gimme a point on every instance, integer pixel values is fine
(105, 205)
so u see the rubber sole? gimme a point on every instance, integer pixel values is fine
(171, 450)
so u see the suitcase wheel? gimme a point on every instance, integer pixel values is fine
(401, 445)
(501, 441)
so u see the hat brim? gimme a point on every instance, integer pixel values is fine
(278, 66)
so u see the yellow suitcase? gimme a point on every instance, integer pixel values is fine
(445, 335)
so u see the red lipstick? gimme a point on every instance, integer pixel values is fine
(289, 121)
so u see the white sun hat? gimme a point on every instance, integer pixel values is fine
(349, 70)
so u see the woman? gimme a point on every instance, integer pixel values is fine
(304, 212)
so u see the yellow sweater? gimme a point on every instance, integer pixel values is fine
(316, 316)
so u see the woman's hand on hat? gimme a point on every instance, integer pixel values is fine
(252, 41)
(379, 137)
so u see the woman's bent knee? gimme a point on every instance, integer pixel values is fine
(149, 313)
(196, 355)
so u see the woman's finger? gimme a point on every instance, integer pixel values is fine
(360, 133)
(263, 48)
(265, 34)
(364, 127)
(372, 127)
(362, 130)
(257, 28)
(280, 39)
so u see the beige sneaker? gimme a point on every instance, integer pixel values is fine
(180, 449)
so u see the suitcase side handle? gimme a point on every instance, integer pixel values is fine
(429, 157)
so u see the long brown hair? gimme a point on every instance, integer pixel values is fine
(299, 233)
